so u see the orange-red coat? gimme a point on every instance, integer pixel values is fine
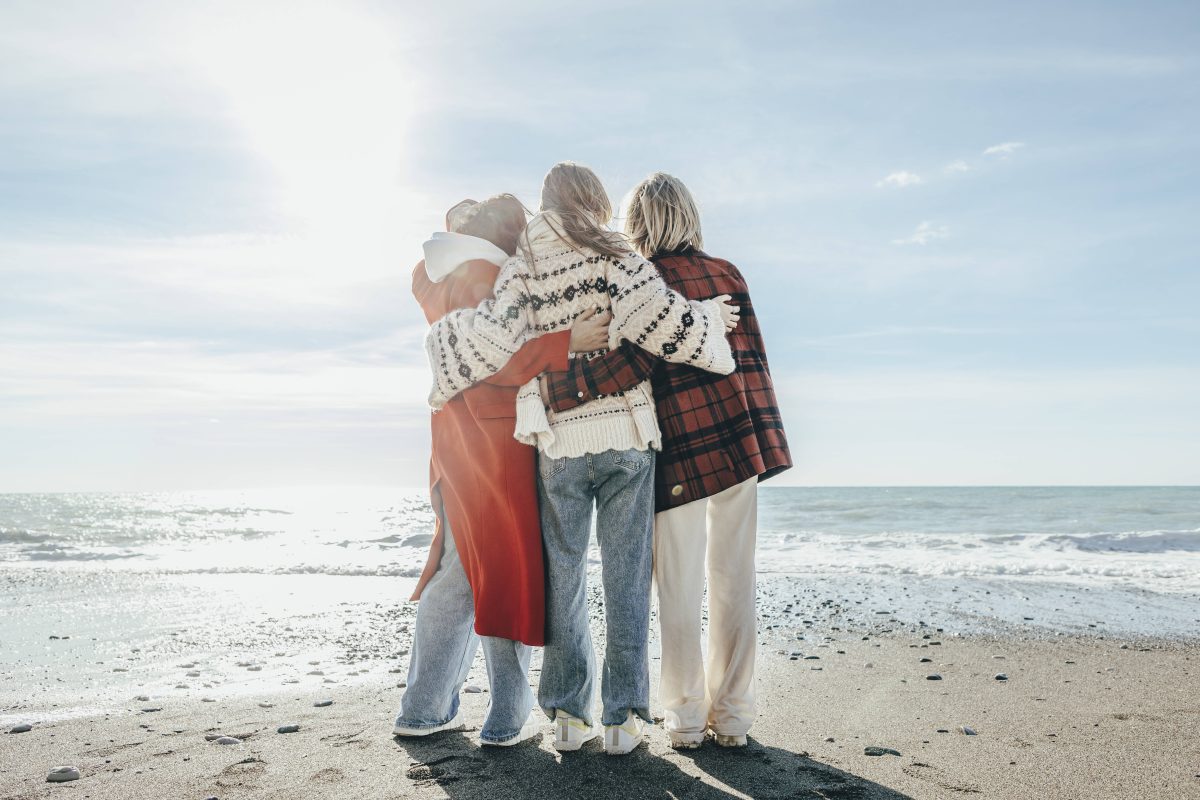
(481, 479)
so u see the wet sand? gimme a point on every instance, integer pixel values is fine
(1079, 716)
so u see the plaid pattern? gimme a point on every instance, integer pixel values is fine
(717, 430)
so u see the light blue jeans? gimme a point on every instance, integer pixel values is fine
(621, 485)
(443, 648)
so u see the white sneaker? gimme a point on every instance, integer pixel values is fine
(530, 729)
(571, 733)
(730, 741)
(454, 724)
(623, 738)
(686, 741)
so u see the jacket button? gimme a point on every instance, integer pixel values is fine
(676, 490)
(579, 395)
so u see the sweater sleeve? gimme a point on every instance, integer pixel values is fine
(663, 322)
(472, 344)
(546, 353)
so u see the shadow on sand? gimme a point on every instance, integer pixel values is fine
(454, 765)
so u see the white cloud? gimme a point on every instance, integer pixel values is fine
(1003, 149)
(901, 179)
(925, 233)
(957, 166)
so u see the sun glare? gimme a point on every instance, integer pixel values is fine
(321, 95)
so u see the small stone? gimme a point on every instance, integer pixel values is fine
(926, 660)
(880, 751)
(63, 774)
(933, 677)
(21, 729)
(1000, 676)
(143, 698)
(472, 689)
(288, 729)
(266, 705)
(811, 658)
(207, 700)
(151, 709)
(193, 674)
(254, 668)
(967, 730)
(943, 730)
(868, 665)
(227, 740)
(316, 672)
(322, 704)
(181, 686)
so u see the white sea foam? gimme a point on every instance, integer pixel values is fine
(1149, 537)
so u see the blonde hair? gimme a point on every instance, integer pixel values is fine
(576, 195)
(661, 216)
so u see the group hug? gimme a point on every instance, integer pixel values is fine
(578, 370)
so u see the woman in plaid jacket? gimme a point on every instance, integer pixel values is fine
(721, 435)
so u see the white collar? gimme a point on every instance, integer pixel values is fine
(446, 251)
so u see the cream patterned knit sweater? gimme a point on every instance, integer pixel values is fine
(563, 282)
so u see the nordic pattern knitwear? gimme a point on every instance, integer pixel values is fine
(563, 282)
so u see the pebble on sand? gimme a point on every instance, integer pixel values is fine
(143, 698)
(933, 677)
(1000, 676)
(967, 730)
(63, 774)
(227, 740)
(288, 729)
(21, 729)
(880, 751)
(472, 689)
(322, 703)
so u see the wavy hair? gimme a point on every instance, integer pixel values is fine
(576, 195)
(661, 216)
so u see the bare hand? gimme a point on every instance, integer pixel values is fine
(590, 331)
(730, 314)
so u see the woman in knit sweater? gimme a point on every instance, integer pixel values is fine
(601, 453)
(722, 435)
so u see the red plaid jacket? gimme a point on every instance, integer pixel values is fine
(718, 430)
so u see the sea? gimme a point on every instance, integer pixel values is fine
(101, 594)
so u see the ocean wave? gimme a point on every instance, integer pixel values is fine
(1132, 541)
(22, 536)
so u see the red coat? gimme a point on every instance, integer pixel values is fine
(482, 479)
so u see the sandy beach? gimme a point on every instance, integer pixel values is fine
(1081, 715)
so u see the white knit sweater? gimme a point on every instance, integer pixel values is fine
(563, 282)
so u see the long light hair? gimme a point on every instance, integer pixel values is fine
(661, 216)
(574, 193)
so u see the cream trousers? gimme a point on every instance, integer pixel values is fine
(717, 693)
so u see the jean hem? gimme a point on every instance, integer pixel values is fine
(644, 713)
(420, 726)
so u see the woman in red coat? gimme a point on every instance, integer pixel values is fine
(486, 578)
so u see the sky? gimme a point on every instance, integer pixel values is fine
(969, 229)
